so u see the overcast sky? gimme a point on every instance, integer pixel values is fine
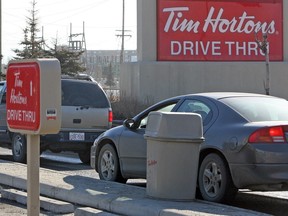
(102, 19)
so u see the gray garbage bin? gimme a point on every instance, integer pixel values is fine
(173, 146)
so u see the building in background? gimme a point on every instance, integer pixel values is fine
(102, 62)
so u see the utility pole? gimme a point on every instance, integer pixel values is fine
(264, 46)
(123, 35)
(123, 27)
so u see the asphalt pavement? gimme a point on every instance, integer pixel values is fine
(81, 195)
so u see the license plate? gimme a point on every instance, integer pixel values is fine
(77, 136)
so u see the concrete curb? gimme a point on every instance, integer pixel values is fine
(110, 197)
(48, 204)
(87, 211)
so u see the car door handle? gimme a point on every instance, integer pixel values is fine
(76, 121)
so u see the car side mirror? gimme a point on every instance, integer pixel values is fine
(129, 123)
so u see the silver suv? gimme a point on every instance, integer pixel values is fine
(86, 113)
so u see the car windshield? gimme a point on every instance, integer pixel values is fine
(259, 108)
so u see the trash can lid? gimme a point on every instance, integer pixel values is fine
(174, 125)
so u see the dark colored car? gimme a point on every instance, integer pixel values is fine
(246, 143)
(86, 113)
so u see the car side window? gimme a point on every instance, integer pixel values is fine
(196, 106)
(167, 108)
(3, 99)
(3, 94)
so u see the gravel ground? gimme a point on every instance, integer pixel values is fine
(8, 207)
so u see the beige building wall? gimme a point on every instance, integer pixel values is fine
(150, 81)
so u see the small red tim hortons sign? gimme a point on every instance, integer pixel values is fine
(23, 96)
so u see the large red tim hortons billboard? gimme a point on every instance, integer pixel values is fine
(202, 30)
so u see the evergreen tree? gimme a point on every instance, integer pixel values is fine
(32, 45)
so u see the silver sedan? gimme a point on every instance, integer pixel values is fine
(246, 143)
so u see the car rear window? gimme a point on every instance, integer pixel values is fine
(259, 108)
(83, 93)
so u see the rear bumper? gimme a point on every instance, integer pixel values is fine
(260, 176)
(63, 137)
(63, 142)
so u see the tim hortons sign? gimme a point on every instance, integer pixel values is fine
(202, 30)
(23, 94)
(33, 97)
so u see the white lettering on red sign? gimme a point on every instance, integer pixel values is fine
(174, 23)
(18, 98)
(213, 48)
(219, 30)
(21, 115)
(18, 82)
(243, 24)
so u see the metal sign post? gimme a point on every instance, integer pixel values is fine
(33, 164)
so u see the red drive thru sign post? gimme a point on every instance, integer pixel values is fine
(34, 96)
(33, 102)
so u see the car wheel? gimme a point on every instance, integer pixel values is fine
(19, 149)
(214, 180)
(84, 156)
(108, 164)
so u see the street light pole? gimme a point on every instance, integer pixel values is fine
(263, 45)
(267, 84)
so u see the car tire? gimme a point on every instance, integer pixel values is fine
(84, 156)
(108, 164)
(214, 180)
(19, 148)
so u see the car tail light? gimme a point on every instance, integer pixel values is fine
(110, 116)
(276, 134)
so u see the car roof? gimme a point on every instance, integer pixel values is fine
(221, 95)
(79, 76)
(67, 78)
(215, 96)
